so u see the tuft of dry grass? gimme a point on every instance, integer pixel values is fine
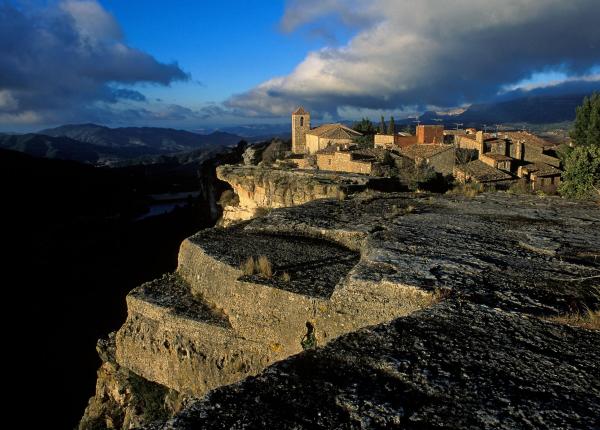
(261, 266)
(470, 189)
(587, 319)
(248, 266)
(264, 267)
(285, 277)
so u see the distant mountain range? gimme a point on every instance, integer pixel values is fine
(91, 143)
(533, 110)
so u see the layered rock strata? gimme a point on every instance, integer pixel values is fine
(260, 189)
(488, 270)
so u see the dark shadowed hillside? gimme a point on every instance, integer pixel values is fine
(74, 251)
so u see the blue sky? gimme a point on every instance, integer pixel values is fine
(200, 64)
(227, 46)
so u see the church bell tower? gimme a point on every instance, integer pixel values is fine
(300, 125)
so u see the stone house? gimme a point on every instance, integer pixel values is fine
(329, 134)
(530, 148)
(497, 161)
(363, 161)
(540, 175)
(439, 157)
(479, 172)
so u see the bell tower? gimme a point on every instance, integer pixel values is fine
(300, 125)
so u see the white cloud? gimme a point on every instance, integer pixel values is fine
(430, 52)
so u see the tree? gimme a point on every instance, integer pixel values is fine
(365, 126)
(382, 128)
(581, 176)
(586, 130)
(391, 127)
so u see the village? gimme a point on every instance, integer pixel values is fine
(467, 156)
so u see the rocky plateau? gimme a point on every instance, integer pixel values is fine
(382, 310)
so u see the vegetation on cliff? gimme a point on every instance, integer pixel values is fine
(581, 178)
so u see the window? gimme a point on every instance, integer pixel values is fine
(301, 121)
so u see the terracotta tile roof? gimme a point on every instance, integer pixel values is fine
(334, 131)
(542, 169)
(482, 172)
(424, 150)
(300, 111)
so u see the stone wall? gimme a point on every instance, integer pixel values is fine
(343, 162)
(315, 143)
(383, 140)
(443, 162)
(430, 134)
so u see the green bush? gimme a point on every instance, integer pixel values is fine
(581, 178)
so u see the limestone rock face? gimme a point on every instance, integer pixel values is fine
(426, 311)
(123, 399)
(458, 365)
(261, 189)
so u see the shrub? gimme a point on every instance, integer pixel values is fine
(520, 187)
(581, 178)
(470, 189)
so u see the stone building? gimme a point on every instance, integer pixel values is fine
(300, 126)
(479, 172)
(308, 141)
(369, 161)
(540, 175)
(430, 134)
(399, 140)
(439, 157)
(330, 134)
(497, 161)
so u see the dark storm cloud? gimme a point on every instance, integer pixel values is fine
(57, 61)
(431, 52)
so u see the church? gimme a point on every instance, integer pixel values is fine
(308, 141)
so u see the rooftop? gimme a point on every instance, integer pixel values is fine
(527, 138)
(424, 150)
(334, 131)
(300, 111)
(482, 172)
(542, 169)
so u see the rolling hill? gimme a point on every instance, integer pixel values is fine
(91, 143)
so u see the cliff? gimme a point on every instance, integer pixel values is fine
(259, 188)
(461, 289)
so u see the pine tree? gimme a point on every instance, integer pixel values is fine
(593, 131)
(382, 128)
(392, 126)
(586, 130)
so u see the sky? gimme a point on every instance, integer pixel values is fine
(201, 64)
